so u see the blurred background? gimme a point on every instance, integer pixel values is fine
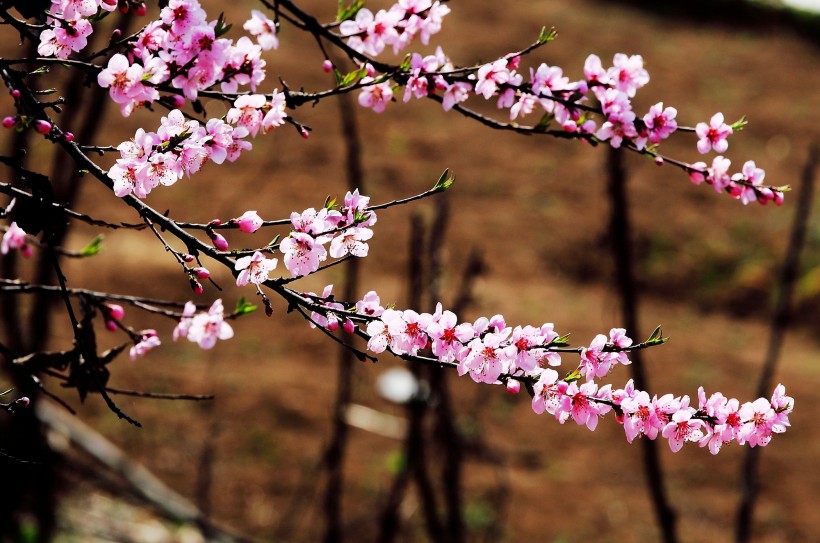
(537, 213)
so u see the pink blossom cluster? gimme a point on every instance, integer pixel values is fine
(746, 185)
(346, 229)
(15, 238)
(179, 147)
(396, 27)
(571, 104)
(491, 352)
(184, 49)
(205, 327)
(69, 26)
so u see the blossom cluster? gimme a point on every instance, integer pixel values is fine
(396, 27)
(184, 49)
(346, 229)
(491, 352)
(181, 146)
(572, 105)
(69, 25)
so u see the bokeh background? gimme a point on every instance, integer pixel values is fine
(537, 210)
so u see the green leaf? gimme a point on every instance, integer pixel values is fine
(221, 28)
(560, 341)
(243, 307)
(350, 78)
(330, 203)
(396, 462)
(94, 247)
(444, 181)
(546, 36)
(343, 13)
(657, 337)
(738, 125)
(573, 375)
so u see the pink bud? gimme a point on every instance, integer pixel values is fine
(42, 127)
(115, 311)
(15, 93)
(778, 198)
(514, 62)
(110, 325)
(22, 401)
(26, 251)
(123, 6)
(332, 325)
(115, 35)
(349, 326)
(304, 132)
(187, 258)
(202, 273)
(177, 101)
(140, 10)
(9, 122)
(215, 222)
(327, 65)
(659, 160)
(249, 222)
(369, 69)
(220, 242)
(734, 190)
(197, 287)
(513, 386)
(110, 3)
(68, 136)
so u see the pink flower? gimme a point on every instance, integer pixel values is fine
(254, 269)
(205, 328)
(276, 112)
(15, 238)
(713, 135)
(249, 222)
(546, 395)
(660, 122)
(683, 428)
(148, 340)
(302, 253)
(352, 242)
(490, 76)
(750, 177)
(627, 73)
(375, 96)
(455, 94)
(370, 305)
(263, 28)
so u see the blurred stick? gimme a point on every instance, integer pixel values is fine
(620, 230)
(334, 455)
(781, 317)
(445, 428)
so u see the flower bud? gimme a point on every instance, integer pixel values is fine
(349, 326)
(9, 122)
(15, 93)
(115, 35)
(68, 136)
(513, 386)
(202, 273)
(140, 10)
(659, 160)
(327, 65)
(196, 286)
(110, 325)
(177, 101)
(734, 190)
(514, 62)
(369, 70)
(304, 132)
(22, 401)
(110, 2)
(115, 311)
(187, 258)
(219, 241)
(249, 222)
(41, 127)
(778, 198)
(123, 5)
